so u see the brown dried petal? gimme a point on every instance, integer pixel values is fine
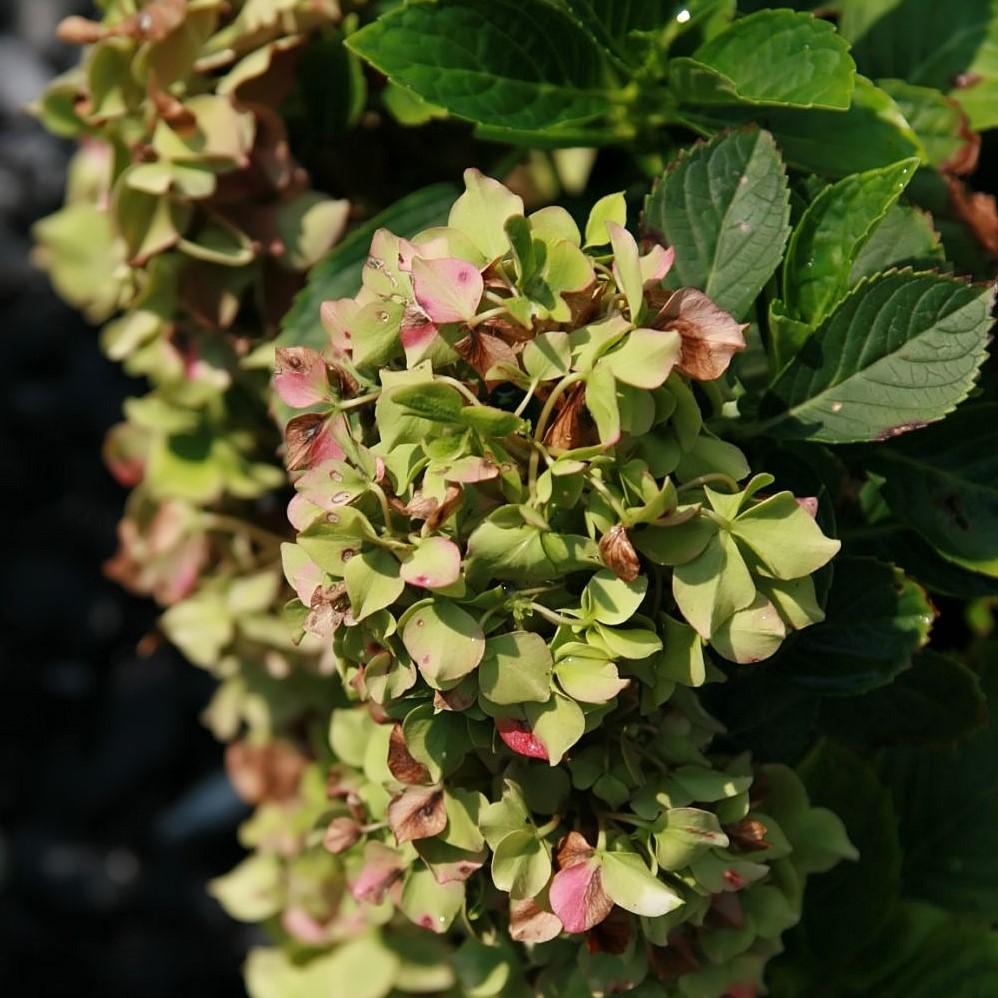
(618, 554)
(571, 427)
(80, 31)
(529, 923)
(749, 834)
(710, 336)
(978, 211)
(417, 813)
(453, 498)
(483, 352)
(342, 833)
(268, 772)
(401, 764)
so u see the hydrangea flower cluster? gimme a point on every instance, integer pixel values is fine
(525, 547)
(189, 226)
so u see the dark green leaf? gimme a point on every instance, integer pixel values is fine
(724, 207)
(826, 241)
(493, 61)
(904, 238)
(772, 57)
(875, 620)
(931, 44)
(900, 351)
(947, 803)
(849, 904)
(943, 482)
(937, 700)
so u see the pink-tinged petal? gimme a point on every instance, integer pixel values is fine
(382, 867)
(417, 333)
(432, 249)
(435, 564)
(657, 263)
(336, 318)
(310, 439)
(301, 378)
(306, 580)
(809, 504)
(448, 289)
(520, 738)
(297, 922)
(471, 469)
(577, 896)
(302, 511)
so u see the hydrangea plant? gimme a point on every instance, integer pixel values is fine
(525, 547)
(563, 690)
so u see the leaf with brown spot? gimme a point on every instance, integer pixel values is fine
(710, 336)
(417, 813)
(618, 554)
(402, 765)
(309, 440)
(978, 211)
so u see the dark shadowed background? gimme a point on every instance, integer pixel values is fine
(114, 808)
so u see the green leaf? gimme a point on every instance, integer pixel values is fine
(900, 351)
(826, 241)
(937, 120)
(771, 57)
(429, 904)
(688, 833)
(589, 680)
(559, 724)
(609, 208)
(724, 207)
(629, 883)
(253, 891)
(433, 400)
(547, 356)
(373, 582)
(938, 700)
(875, 621)
(943, 482)
(947, 803)
(445, 643)
(516, 669)
(783, 537)
(437, 740)
(848, 905)
(506, 548)
(601, 401)
(511, 77)
(521, 864)
(930, 44)
(904, 238)
(871, 134)
(751, 634)
(338, 274)
(611, 600)
(711, 587)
